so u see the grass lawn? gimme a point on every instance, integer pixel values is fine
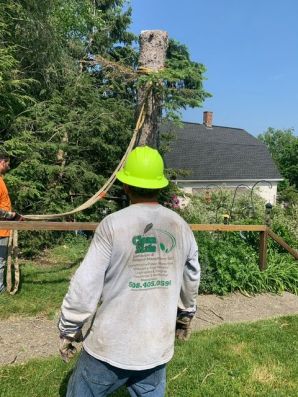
(44, 281)
(257, 359)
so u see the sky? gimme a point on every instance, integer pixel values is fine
(250, 51)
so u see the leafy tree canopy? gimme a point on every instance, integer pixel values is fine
(283, 146)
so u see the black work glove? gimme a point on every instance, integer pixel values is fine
(183, 324)
(67, 349)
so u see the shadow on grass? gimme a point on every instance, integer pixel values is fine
(64, 383)
(53, 269)
(28, 278)
(45, 282)
(25, 282)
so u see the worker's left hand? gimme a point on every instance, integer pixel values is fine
(18, 217)
(67, 349)
(183, 325)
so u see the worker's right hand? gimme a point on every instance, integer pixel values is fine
(183, 325)
(67, 349)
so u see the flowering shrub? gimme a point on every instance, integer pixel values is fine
(229, 261)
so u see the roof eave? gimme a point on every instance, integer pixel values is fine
(229, 180)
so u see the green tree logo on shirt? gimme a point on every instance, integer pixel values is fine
(144, 244)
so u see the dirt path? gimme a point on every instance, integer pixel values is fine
(215, 310)
(24, 338)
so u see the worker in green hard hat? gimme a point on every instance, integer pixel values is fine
(142, 265)
(144, 169)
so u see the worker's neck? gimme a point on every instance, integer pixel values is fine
(139, 200)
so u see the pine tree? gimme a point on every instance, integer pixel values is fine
(13, 85)
(78, 60)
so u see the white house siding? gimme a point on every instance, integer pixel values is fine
(263, 189)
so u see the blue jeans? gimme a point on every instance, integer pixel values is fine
(3, 257)
(95, 378)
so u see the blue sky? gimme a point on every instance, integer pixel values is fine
(250, 50)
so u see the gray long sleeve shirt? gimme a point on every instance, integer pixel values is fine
(141, 265)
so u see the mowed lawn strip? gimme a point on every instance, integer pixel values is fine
(44, 281)
(251, 359)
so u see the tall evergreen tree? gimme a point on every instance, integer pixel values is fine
(76, 132)
(73, 137)
(14, 97)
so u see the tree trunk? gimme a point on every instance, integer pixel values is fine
(153, 47)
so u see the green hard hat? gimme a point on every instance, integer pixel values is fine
(143, 168)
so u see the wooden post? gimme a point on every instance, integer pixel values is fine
(153, 47)
(263, 250)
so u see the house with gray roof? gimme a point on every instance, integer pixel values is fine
(220, 156)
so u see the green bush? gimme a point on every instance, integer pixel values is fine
(229, 261)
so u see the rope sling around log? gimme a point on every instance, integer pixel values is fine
(13, 268)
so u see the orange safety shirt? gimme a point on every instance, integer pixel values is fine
(5, 204)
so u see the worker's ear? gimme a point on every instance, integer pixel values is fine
(126, 189)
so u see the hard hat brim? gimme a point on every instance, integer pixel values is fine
(142, 182)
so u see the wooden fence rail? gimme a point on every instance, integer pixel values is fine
(68, 226)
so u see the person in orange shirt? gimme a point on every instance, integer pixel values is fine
(6, 213)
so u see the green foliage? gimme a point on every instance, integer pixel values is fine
(283, 146)
(229, 260)
(287, 194)
(249, 360)
(69, 117)
(96, 132)
(229, 264)
(56, 37)
(182, 81)
(66, 144)
(285, 224)
(13, 85)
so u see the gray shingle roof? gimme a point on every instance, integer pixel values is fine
(218, 153)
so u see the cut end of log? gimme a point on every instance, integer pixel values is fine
(154, 44)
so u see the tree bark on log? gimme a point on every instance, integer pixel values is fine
(153, 48)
